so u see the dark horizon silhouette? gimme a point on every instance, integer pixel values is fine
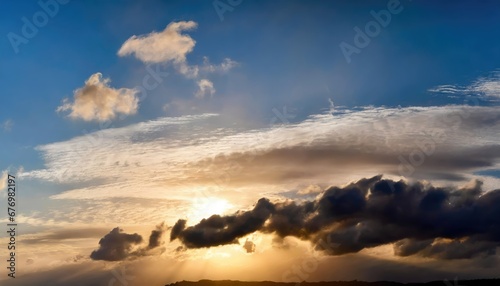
(475, 282)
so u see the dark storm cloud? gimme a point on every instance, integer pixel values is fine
(179, 226)
(445, 223)
(220, 230)
(116, 245)
(156, 235)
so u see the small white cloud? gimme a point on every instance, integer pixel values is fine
(20, 170)
(7, 125)
(96, 100)
(169, 45)
(204, 87)
(187, 70)
(226, 65)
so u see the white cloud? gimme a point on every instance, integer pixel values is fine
(169, 45)
(96, 100)
(452, 89)
(226, 65)
(205, 87)
(178, 158)
(487, 87)
(106, 147)
(7, 125)
(187, 70)
(172, 46)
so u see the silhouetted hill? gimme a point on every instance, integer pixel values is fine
(480, 282)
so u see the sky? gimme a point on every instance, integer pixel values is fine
(159, 141)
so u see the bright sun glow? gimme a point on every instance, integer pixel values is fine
(205, 207)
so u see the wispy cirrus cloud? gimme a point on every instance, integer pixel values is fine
(447, 88)
(98, 101)
(226, 65)
(484, 87)
(168, 159)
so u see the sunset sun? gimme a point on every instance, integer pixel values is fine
(204, 207)
(249, 143)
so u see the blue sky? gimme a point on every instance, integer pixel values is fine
(289, 55)
(259, 63)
